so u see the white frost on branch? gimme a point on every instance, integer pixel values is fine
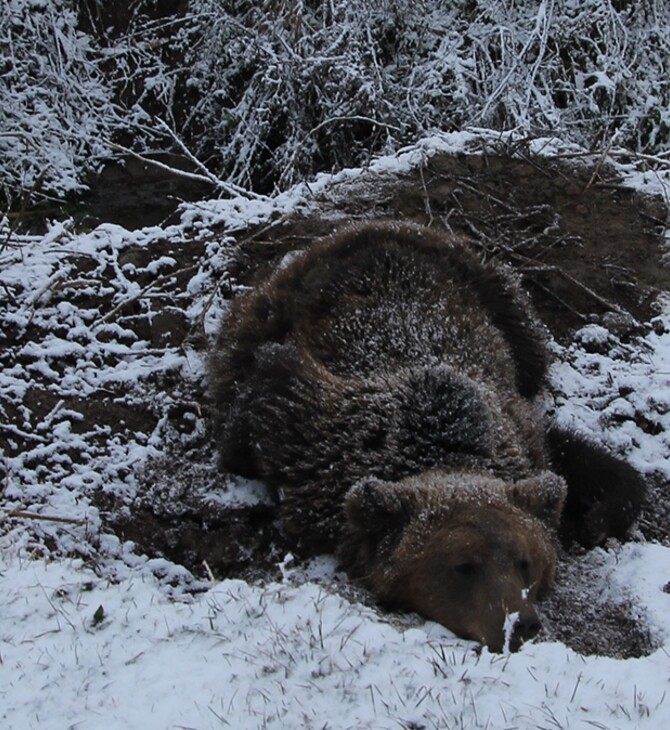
(265, 94)
(55, 107)
(286, 88)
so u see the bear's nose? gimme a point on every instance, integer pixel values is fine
(526, 627)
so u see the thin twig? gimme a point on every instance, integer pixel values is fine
(558, 270)
(352, 118)
(601, 161)
(208, 570)
(560, 300)
(231, 189)
(614, 154)
(10, 428)
(605, 302)
(429, 209)
(49, 518)
(158, 282)
(200, 322)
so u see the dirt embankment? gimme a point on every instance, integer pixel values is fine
(588, 249)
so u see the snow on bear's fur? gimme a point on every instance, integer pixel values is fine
(381, 383)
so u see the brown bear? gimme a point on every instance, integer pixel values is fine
(381, 383)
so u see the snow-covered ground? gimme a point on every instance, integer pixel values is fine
(80, 652)
(105, 640)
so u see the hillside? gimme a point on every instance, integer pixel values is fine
(157, 159)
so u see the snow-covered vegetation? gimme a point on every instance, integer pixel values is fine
(108, 616)
(55, 106)
(291, 87)
(263, 94)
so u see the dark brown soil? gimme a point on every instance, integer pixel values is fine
(579, 613)
(177, 515)
(584, 244)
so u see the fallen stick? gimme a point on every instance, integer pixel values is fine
(48, 518)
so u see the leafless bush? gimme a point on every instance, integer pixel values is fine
(54, 105)
(266, 93)
(278, 90)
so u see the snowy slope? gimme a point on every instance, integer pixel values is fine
(284, 656)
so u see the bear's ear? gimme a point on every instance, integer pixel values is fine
(541, 495)
(374, 505)
(377, 514)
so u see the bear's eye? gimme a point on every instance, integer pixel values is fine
(467, 570)
(524, 568)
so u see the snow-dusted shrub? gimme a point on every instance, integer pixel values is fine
(268, 92)
(55, 109)
(275, 90)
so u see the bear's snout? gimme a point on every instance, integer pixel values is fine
(479, 574)
(526, 626)
(509, 630)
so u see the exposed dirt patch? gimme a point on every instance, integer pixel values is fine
(655, 519)
(580, 611)
(584, 244)
(193, 516)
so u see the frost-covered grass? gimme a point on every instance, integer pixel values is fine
(110, 638)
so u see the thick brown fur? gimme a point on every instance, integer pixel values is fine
(391, 353)
(384, 351)
(457, 548)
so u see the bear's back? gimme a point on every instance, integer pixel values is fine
(388, 298)
(384, 351)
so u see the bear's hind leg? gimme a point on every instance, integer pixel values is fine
(605, 493)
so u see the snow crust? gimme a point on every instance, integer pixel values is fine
(108, 643)
(238, 212)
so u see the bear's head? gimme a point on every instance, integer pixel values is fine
(461, 549)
